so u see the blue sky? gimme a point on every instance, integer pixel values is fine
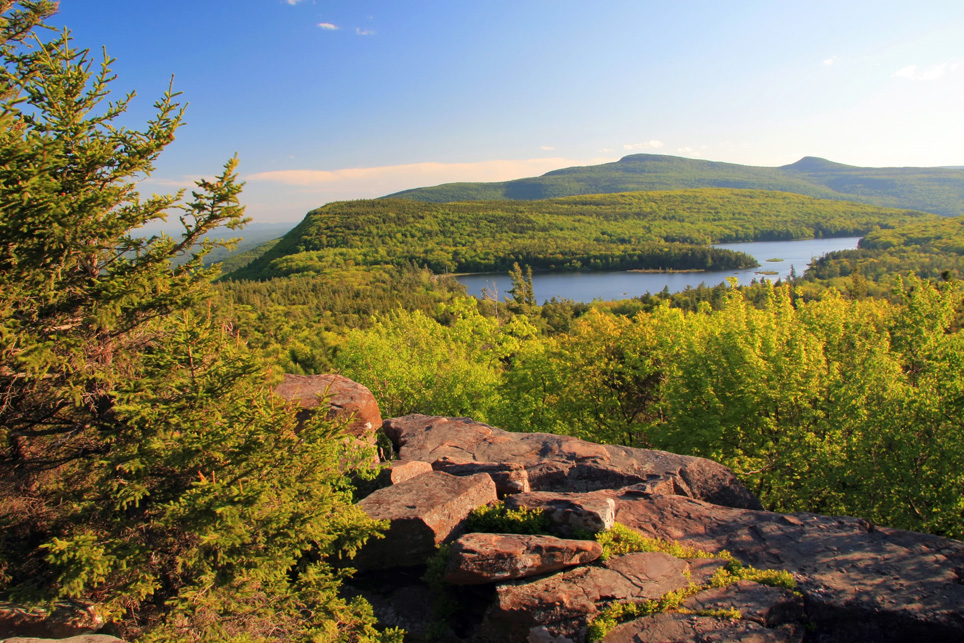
(339, 99)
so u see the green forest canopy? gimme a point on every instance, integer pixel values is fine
(638, 230)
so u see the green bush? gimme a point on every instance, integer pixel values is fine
(497, 519)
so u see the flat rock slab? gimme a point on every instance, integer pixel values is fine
(489, 558)
(859, 582)
(570, 512)
(340, 398)
(564, 603)
(770, 607)
(423, 512)
(563, 463)
(689, 628)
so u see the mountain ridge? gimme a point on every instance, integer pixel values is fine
(939, 190)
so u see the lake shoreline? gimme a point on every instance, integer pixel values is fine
(588, 286)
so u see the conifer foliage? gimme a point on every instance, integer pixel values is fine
(144, 466)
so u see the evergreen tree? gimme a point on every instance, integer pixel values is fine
(145, 467)
(523, 295)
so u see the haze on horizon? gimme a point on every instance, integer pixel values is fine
(328, 100)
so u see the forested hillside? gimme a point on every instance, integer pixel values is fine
(938, 190)
(643, 230)
(930, 249)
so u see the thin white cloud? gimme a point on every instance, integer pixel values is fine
(547, 148)
(293, 2)
(830, 62)
(930, 72)
(356, 183)
(689, 151)
(648, 145)
(364, 32)
(328, 26)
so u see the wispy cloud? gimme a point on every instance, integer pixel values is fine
(328, 26)
(690, 152)
(833, 60)
(364, 32)
(547, 148)
(354, 183)
(930, 72)
(293, 2)
(648, 145)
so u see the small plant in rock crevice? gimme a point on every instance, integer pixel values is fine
(498, 519)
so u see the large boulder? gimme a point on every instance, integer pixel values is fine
(340, 398)
(493, 558)
(563, 463)
(423, 512)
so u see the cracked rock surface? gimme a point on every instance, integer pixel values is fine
(855, 581)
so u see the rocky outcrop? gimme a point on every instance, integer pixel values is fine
(855, 581)
(860, 582)
(494, 558)
(563, 463)
(564, 603)
(341, 399)
(423, 512)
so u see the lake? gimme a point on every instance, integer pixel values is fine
(587, 286)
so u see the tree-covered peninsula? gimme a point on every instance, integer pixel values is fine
(640, 230)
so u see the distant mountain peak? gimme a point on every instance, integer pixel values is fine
(814, 164)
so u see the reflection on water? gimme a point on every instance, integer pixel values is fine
(775, 256)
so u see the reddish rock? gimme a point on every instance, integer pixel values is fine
(509, 477)
(489, 558)
(342, 398)
(571, 512)
(65, 619)
(689, 628)
(769, 606)
(563, 463)
(859, 582)
(565, 603)
(423, 512)
(401, 470)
